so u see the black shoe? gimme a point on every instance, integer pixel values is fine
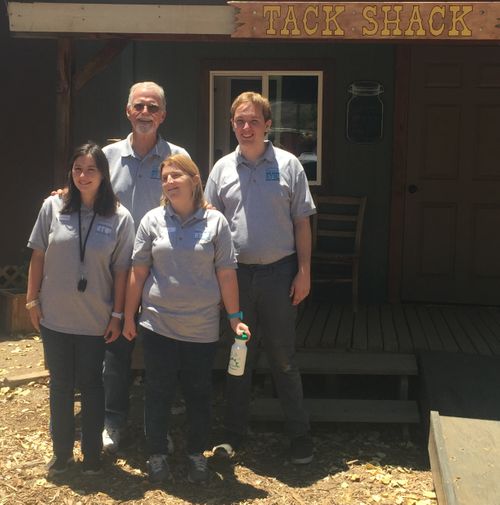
(59, 464)
(91, 466)
(301, 450)
(228, 447)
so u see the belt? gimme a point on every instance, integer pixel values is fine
(256, 266)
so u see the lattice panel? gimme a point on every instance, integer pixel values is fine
(13, 276)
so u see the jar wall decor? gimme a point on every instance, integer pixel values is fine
(365, 112)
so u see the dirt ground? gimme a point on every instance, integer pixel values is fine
(354, 464)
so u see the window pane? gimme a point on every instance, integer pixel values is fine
(294, 101)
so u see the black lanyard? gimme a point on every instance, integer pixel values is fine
(82, 248)
(82, 283)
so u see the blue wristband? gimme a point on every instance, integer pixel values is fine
(236, 315)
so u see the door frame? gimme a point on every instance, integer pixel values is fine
(402, 68)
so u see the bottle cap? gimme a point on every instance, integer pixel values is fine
(243, 336)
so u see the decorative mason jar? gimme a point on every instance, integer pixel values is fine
(365, 112)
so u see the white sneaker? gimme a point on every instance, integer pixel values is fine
(111, 440)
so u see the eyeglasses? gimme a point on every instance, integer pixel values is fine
(153, 108)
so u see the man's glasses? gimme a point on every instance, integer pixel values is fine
(152, 108)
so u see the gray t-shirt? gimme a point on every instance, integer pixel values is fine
(261, 201)
(108, 250)
(181, 295)
(135, 180)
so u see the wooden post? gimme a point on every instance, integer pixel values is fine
(63, 110)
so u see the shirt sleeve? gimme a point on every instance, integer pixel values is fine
(224, 250)
(142, 254)
(212, 194)
(302, 204)
(39, 238)
(122, 254)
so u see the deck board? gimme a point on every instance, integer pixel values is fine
(449, 342)
(456, 329)
(375, 341)
(478, 338)
(484, 330)
(332, 327)
(388, 330)
(318, 325)
(416, 329)
(431, 334)
(344, 338)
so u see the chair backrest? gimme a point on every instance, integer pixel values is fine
(339, 218)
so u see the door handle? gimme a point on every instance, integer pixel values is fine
(412, 188)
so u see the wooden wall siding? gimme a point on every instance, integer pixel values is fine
(399, 328)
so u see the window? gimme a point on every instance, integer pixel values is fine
(296, 101)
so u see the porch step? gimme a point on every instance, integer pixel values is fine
(342, 363)
(330, 410)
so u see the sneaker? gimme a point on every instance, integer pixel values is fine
(111, 439)
(198, 468)
(58, 464)
(91, 466)
(158, 470)
(227, 449)
(301, 450)
(170, 444)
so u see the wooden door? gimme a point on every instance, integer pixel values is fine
(451, 250)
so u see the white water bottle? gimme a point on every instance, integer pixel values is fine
(238, 355)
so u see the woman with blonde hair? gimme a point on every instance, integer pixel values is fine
(183, 264)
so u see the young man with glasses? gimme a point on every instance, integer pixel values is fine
(264, 194)
(135, 176)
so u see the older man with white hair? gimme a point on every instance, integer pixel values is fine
(135, 176)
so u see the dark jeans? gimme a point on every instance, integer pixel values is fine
(75, 361)
(116, 375)
(167, 362)
(268, 311)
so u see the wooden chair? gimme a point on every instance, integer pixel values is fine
(337, 230)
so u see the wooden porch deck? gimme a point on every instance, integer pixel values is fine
(380, 340)
(405, 328)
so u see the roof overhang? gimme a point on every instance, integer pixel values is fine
(462, 21)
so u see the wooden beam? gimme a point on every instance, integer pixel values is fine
(98, 63)
(140, 18)
(398, 192)
(63, 110)
(441, 474)
(327, 410)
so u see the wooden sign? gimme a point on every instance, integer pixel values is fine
(375, 20)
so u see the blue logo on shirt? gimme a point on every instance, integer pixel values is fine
(272, 174)
(104, 229)
(155, 173)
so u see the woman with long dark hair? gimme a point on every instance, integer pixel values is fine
(82, 244)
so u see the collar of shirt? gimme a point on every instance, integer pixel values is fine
(161, 149)
(267, 156)
(197, 216)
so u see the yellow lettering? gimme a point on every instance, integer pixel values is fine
(415, 19)
(369, 13)
(271, 12)
(290, 19)
(459, 19)
(396, 22)
(438, 9)
(332, 18)
(307, 28)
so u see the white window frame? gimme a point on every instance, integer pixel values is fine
(264, 76)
